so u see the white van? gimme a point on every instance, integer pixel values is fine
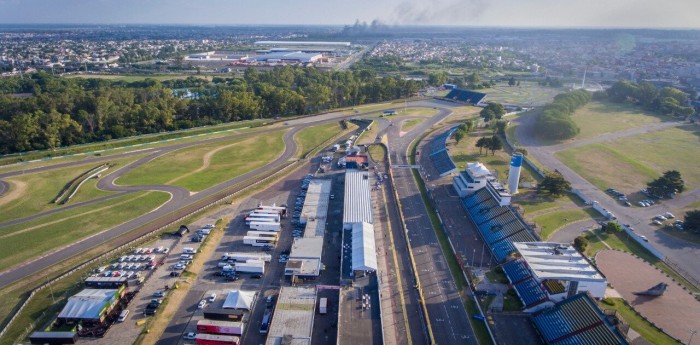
(188, 250)
(123, 315)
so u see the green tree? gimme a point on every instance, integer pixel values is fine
(500, 127)
(511, 81)
(494, 144)
(612, 227)
(692, 221)
(671, 182)
(482, 143)
(492, 111)
(581, 243)
(459, 135)
(554, 184)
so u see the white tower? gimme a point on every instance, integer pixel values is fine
(516, 163)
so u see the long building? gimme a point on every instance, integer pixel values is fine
(293, 321)
(357, 203)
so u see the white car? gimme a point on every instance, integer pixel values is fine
(669, 215)
(656, 222)
(202, 304)
(190, 336)
(660, 217)
(644, 238)
(179, 267)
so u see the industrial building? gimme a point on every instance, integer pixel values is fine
(294, 317)
(287, 57)
(315, 209)
(357, 203)
(305, 258)
(302, 44)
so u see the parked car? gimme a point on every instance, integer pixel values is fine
(212, 298)
(656, 222)
(669, 215)
(190, 336)
(159, 294)
(202, 304)
(644, 238)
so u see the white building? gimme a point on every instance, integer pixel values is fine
(305, 258)
(357, 203)
(552, 264)
(475, 177)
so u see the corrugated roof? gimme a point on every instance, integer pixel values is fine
(364, 251)
(294, 316)
(560, 261)
(358, 204)
(315, 209)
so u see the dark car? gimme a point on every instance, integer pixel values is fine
(174, 274)
(256, 276)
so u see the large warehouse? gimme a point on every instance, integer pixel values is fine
(293, 321)
(358, 205)
(305, 256)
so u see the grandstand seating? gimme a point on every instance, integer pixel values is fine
(466, 96)
(443, 163)
(576, 320)
(516, 271)
(530, 292)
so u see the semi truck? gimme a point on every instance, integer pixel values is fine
(264, 226)
(216, 339)
(255, 214)
(267, 234)
(260, 220)
(250, 266)
(259, 241)
(282, 211)
(247, 256)
(220, 327)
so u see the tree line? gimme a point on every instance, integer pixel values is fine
(555, 120)
(63, 111)
(666, 101)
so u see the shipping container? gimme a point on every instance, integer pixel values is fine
(216, 339)
(220, 327)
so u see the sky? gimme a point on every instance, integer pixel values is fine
(497, 13)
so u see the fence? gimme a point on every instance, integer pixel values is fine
(151, 230)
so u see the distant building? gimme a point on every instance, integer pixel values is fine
(302, 44)
(475, 177)
(465, 96)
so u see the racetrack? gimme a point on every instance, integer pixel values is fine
(180, 198)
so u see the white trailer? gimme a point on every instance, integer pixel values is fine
(263, 234)
(265, 226)
(323, 306)
(260, 220)
(243, 257)
(273, 216)
(260, 241)
(280, 210)
(258, 211)
(250, 266)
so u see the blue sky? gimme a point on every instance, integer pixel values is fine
(527, 13)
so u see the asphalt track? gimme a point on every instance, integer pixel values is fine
(180, 198)
(448, 318)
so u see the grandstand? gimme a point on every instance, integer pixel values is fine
(465, 96)
(438, 153)
(498, 225)
(476, 177)
(528, 289)
(577, 320)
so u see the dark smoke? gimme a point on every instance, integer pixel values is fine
(447, 12)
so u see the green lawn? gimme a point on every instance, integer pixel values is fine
(409, 124)
(39, 189)
(664, 150)
(369, 136)
(309, 138)
(553, 221)
(597, 118)
(536, 206)
(637, 323)
(30, 239)
(188, 167)
(378, 153)
(527, 94)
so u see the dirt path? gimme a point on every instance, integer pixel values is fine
(14, 193)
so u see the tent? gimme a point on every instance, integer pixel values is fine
(364, 252)
(238, 299)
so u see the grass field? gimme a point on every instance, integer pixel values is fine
(369, 136)
(378, 153)
(33, 193)
(641, 158)
(527, 94)
(553, 221)
(407, 125)
(598, 118)
(309, 138)
(30, 239)
(199, 167)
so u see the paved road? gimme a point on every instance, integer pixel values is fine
(448, 319)
(4, 187)
(685, 254)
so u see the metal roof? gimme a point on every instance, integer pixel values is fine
(315, 210)
(294, 316)
(88, 304)
(358, 203)
(364, 251)
(307, 248)
(560, 261)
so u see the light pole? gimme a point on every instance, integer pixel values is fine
(473, 255)
(692, 333)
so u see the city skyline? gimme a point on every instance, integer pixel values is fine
(481, 13)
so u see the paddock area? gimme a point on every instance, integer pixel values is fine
(676, 311)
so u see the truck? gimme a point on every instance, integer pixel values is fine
(260, 220)
(282, 211)
(216, 339)
(323, 306)
(263, 214)
(270, 234)
(248, 256)
(250, 266)
(265, 226)
(220, 327)
(259, 241)
(266, 320)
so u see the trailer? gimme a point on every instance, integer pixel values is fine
(216, 339)
(53, 338)
(280, 210)
(248, 256)
(265, 226)
(323, 306)
(250, 266)
(220, 327)
(259, 214)
(260, 220)
(259, 241)
(263, 234)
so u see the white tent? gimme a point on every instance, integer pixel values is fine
(88, 304)
(364, 252)
(237, 299)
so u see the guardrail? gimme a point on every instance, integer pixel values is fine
(154, 228)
